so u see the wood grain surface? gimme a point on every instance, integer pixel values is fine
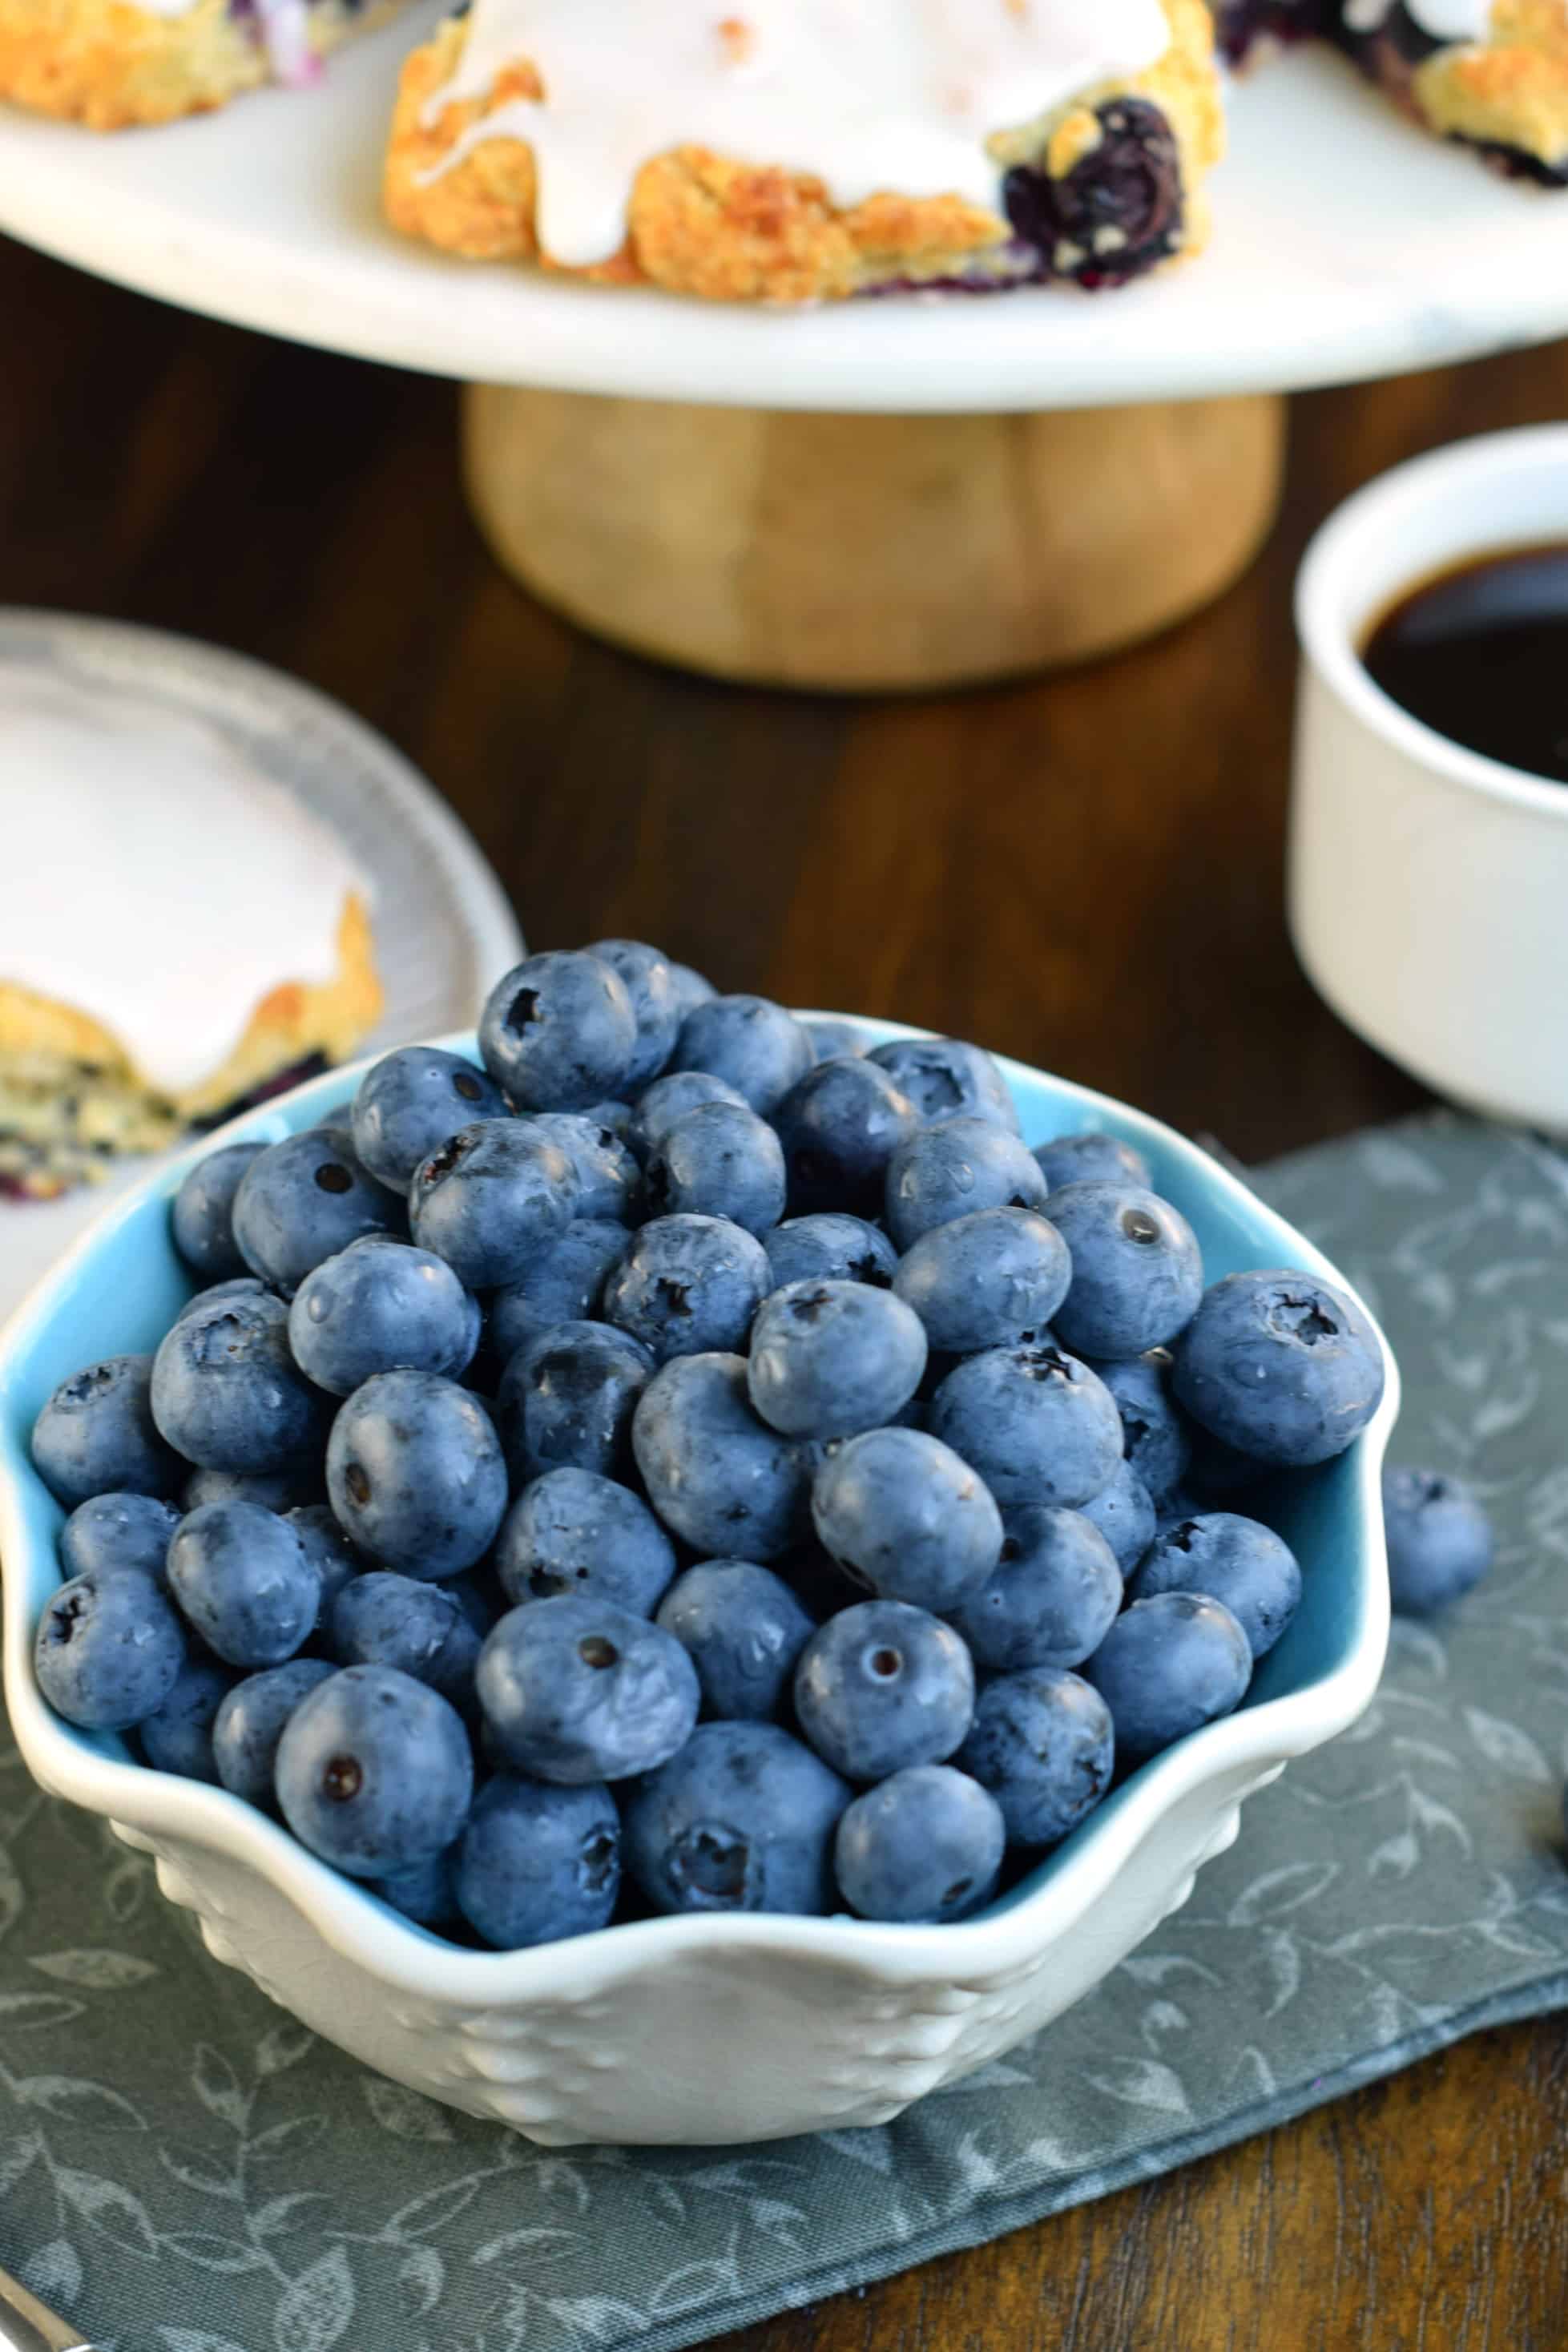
(1084, 871)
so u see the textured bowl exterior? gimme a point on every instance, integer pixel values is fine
(702, 2030)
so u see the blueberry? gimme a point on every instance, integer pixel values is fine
(178, 1736)
(1238, 1561)
(1052, 1598)
(883, 1686)
(832, 1358)
(691, 988)
(1044, 1747)
(491, 1199)
(688, 1286)
(559, 1032)
(249, 1724)
(611, 1113)
(1092, 1158)
(1168, 1665)
(832, 1040)
(1137, 1271)
(574, 1531)
(227, 1394)
(658, 1107)
(1117, 213)
(202, 1214)
(242, 1286)
(830, 1249)
(304, 1200)
(412, 1102)
(990, 1280)
(909, 1517)
(478, 1594)
(741, 1819)
(609, 1181)
(744, 1629)
(415, 1473)
(840, 1126)
(946, 1078)
(564, 1283)
(107, 1650)
(1439, 1540)
(718, 1161)
(754, 1044)
(1035, 1423)
(99, 1434)
(566, 1400)
(290, 1488)
(426, 1893)
(656, 1004)
(385, 1620)
(374, 1772)
(924, 1846)
(578, 1690)
(538, 1864)
(1124, 1513)
(1156, 1436)
(1281, 1366)
(950, 1169)
(120, 1530)
(244, 1580)
(379, 1309)
(716, 1475)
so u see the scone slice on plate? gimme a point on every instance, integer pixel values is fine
(73, 1098)
(799, 151)
(113, 63)
(1492, 74)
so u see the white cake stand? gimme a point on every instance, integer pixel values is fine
(889, 493)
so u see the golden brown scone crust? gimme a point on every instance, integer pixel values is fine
(1512, 90)
(735, 230)
(292, 1022)
(110, 64)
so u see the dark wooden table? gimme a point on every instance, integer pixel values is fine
(1086, 872)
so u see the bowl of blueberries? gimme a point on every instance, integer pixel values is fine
(678, 1572)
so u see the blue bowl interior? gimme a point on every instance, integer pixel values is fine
(123, 1287)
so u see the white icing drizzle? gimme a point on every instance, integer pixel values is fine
(1444, 20)
(152, 876)
(867, 95)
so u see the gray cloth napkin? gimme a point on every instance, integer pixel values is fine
(183, 2169)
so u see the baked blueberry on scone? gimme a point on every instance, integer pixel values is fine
(1492, 74)
(110, 63)
(796, 151)
(178, 935)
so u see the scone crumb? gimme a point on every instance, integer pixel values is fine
(1076, 135)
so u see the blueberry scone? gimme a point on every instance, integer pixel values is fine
(110, 63)
(178, 936)
(1492, 74)
(798, 151)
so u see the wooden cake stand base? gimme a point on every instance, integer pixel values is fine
(870, 553)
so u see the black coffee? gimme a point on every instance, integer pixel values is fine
(1481, 653)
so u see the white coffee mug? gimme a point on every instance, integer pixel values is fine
(1428, 885)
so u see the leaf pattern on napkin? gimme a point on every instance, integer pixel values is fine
(183, 2169)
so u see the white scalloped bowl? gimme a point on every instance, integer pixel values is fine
(713, 2028)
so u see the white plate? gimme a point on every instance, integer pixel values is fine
(1347, 244)
(444, 927)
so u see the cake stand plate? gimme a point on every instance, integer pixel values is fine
(1346, 245)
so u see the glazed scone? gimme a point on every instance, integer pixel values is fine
(1492, 74)
(112, 63)
(799, 151)
(178, 936)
